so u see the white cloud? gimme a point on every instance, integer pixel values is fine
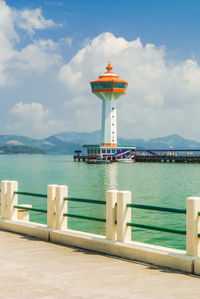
(34, 111)
(154, 98)
(160, 93)
(39, 55)
(36, 118)
(32, 20)
(7, 36)
(68, 41)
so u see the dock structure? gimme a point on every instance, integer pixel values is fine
(141, 155)
(79, 156)
(168, 156)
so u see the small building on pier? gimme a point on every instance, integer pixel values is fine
(110, 153)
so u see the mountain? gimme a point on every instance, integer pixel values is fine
(55, 145)
(20, 149)
(19, 140)
(173, 141)
(78, 137)
(169, 142)
(68, 142)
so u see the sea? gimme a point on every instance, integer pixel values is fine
(159, 184)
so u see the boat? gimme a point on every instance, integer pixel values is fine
(126, 160)
(98, 161)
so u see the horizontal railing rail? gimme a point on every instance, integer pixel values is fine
(74, 199)
(151, 227)
(95, 201)
(85, 217)
(156, 208)
(31, 209)
(31, 194)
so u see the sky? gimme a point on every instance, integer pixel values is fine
(51, 50)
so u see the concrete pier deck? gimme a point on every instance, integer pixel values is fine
(30, 268)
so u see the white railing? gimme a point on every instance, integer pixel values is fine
(118, 235)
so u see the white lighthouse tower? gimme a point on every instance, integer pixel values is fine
(108, 87)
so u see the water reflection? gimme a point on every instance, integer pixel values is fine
(100, 178)
(112, 176)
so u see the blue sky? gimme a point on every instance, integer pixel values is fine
(50, 50)
(173, 23)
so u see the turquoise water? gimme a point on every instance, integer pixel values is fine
(160, 184)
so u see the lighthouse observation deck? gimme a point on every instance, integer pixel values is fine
(109, 85)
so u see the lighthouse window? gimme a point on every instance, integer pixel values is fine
(119, 85)
(113, 116)
(113, 132)
(103, 151)
(113, 140)
(95, 85)
(113, 124)
(106, 84)
(108, 151)
(113, 151)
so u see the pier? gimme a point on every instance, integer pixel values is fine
(168, 156)
(147, 155)
(79, 158)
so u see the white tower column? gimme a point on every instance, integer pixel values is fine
(109, 123)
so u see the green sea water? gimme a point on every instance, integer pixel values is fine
(162, 184)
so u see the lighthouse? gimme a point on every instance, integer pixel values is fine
(109, 88)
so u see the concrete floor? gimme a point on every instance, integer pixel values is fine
(30, 268)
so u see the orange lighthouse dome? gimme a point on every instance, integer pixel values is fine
(109, 82)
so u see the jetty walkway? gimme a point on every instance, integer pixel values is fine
(30, 268)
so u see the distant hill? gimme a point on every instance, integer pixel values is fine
(20, 149)
(79, 138)
(68, 142)
(169, 142)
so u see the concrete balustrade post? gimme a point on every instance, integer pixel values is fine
(4, 187)
(123, 216)
(111, 214)
(61, 207)
(51, 206)
(192, 226)
(12, 200)
(23, 214)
